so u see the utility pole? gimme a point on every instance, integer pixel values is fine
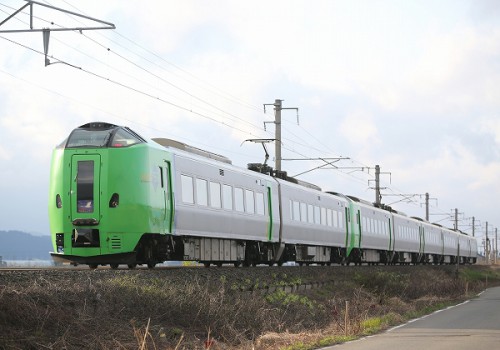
(378, 197)
(456, 219)
(427, 206)
(277, 121)
(487, 247)
(496, 245)
(473, 226)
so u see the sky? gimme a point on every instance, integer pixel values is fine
(412, 86)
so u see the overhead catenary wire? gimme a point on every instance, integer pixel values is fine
(228, 114)
(221, 93)
(128, 87)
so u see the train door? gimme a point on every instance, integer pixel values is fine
(270, 229)
(391, 236)
(85, 189)
(85, 200)
(166, 184)
(422, 239)
(353, 233)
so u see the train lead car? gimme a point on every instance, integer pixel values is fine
(116, 198)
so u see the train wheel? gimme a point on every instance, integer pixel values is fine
(207, 264)
(132, 266)
(93, 266)
(219, 264)
(113, 266)
(237, 264)
(151, 265)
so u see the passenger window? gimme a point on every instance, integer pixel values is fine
(250, 201)
(161, 177)
(296, 211)
(310, 213)
(323, 216)
(227, 193)
(238, 200)
(303, 212)
(329, 217)
(259, 203)
(201, 192)
(187, 189)
(317, 215)
(215, 196)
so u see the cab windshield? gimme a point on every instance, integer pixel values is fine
(99, 135)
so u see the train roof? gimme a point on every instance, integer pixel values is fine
(191, 149)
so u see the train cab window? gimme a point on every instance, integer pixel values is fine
(250, 201)
(201, 192)
(227, 197)
(98, 135)
(187, 189)
(88, 138)
(259, 203)
(239, 204)
(122, 138)
(215, 196)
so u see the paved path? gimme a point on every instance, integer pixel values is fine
(472, 325)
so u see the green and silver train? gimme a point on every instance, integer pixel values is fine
(118, 199)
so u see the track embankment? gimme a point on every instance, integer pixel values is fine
(220, 308)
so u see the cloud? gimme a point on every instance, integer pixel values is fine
(4, 154)
(360, 130)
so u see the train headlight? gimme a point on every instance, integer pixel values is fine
(60, 242)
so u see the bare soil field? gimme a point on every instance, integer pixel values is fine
(222, 308)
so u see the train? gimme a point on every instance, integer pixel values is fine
(116, 198)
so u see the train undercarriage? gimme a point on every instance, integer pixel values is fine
(153, 249)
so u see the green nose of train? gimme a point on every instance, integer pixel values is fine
(101, 203)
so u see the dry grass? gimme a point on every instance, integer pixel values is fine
(200, 309)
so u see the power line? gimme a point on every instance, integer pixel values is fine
(224, 94)
(234, 117)
(125, 86)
